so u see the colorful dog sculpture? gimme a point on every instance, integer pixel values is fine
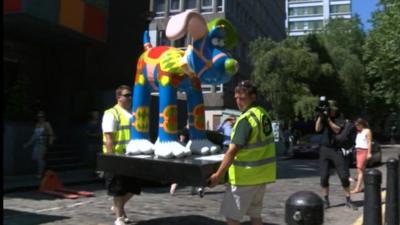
(168, 69)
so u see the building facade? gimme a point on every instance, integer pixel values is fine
(251, 18)
(307, 16)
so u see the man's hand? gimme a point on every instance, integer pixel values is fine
(369, 155)
(213, 180)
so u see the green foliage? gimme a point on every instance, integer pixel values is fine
(282, 72)
(381, 54)
(292, 74)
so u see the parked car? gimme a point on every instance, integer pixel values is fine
(376, 158)
(308, 145)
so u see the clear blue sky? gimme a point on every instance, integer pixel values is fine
(364, 8)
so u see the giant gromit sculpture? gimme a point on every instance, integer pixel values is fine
(167, 69)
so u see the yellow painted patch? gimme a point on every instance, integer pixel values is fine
(165, 80)
(141, 79)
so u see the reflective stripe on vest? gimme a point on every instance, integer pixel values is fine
(255, 163)
(121, 136)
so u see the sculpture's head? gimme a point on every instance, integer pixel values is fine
(208, 58)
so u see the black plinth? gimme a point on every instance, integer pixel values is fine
(193, 170)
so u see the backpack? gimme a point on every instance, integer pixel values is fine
(347, 136)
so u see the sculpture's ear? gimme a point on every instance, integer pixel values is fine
(189, 21)
(230, 36)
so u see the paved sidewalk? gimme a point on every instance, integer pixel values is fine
(31, 182)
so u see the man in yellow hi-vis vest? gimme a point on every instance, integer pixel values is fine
(116, 135)
(250, 160)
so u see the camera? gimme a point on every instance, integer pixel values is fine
(323, 107)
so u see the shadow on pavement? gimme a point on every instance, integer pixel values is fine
(297, 168)
(15, 217)
(187, 220)
(34, 195)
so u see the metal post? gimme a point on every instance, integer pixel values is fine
(392, 192)
(398, 186)
(304, 208)
(372, 197)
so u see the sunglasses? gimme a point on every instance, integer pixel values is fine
(129, 95)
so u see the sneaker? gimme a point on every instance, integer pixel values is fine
(120, 221)
(126, 219)
(351, 205)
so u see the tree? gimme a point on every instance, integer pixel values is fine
(282, 72)
(381, 54)
(343, 40)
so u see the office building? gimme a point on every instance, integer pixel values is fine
(308, 16)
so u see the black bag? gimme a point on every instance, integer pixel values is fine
(347, 136)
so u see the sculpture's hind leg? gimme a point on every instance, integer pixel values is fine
(139, 142)
(198, 144)
(167, 145)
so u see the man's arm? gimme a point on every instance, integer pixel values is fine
(318, 124)
(226, 162)
(109, 143)
(335, 128)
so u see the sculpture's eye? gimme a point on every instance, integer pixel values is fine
(215, 41)
(221, 43)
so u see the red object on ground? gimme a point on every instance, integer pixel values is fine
(51, 184)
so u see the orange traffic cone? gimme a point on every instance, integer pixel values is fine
(50, 181)
(51, 184)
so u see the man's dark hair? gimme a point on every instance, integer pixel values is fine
(246, 87)
(119, 90)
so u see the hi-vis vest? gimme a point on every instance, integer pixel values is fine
(122, 136)
(255, 162)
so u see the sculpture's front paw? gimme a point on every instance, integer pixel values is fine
(169, 149)
(202, 147)
(139, 146)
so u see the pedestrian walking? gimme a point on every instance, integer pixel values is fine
(363, 151)
(225, 128)
(41, 139)
(183, 139)
(250, 160)
(116, 135)
(329, 124)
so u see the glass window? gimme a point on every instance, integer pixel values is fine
(173, 5)
(159, 6)
(220, 5)
(206, 5)
(162, 38)
(340, 8)
(305, 11)
(306, 25)
(190, 4)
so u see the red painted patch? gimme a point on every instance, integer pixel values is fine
(95, 22)
(11, 6)
(155, 53)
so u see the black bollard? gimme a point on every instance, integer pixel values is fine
(372, 197)
(392, 192)
(304, 208)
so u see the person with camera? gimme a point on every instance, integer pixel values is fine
(329, 124)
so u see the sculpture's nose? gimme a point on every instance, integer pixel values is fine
(231, 66)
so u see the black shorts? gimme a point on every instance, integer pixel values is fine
(121, 185)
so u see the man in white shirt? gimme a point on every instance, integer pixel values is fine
(116, 135)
